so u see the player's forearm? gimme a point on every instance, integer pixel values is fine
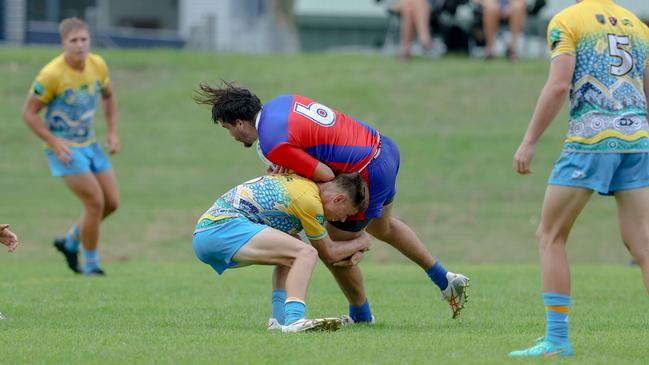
(547, 108)
(348, 248)
(322, 173)
(35, 123)
(334, 251)
(110, 111)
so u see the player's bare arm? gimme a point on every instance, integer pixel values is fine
(548, 106)
(297, 160)
(322, 173)
(110, 111)
(30, 115)
(334, 251)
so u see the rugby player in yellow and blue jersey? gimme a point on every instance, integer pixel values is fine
(600, 57)
(70, 87)
(257, 222)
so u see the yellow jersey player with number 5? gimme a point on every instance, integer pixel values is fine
(600, 58)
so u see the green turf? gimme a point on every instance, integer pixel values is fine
(182, 313)
(457, 122)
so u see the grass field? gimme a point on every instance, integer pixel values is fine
(457, 123)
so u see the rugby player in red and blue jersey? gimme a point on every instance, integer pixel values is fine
(299, 134)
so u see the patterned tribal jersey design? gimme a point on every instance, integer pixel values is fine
(608, 111)
(70, 114)
(71, 97)
(287, 203)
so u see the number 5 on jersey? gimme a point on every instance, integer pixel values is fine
(317, 113)
(615, 50)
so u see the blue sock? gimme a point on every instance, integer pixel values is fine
(72, 239)
(91, 260)
(293, 310)
(437, 273)
(362, 313)
(277, 300)
(557, 308)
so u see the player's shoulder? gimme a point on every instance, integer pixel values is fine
(54, 67)
(97, 60)
(280, 101)
(302, 188)
(568, 14)
(631, 22)
(301, 183)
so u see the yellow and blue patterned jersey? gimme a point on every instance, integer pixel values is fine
(288, 203)
(608, 111)
(71, 97)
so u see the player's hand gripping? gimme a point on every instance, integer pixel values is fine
(351, 260)
(8, 238)
(358, 255)
(523, 158)
(281, 170)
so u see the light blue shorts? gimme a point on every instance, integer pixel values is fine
(604, 173)
(217, 244)
(90, 158)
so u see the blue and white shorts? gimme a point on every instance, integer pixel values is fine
(604, 173)
(90, 158)
(218, 243)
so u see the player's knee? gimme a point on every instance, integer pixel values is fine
(490, 9)
(307, 253)
(94, 205)
(548, 238)
(110, 206)
(409, 10)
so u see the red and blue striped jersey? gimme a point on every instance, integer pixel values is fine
(290, 125)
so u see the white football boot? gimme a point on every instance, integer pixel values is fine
(311, 325)
(456, 292)
(273, 325)
(348, 321)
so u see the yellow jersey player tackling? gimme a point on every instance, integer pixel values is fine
(256, 223)
(599, 55)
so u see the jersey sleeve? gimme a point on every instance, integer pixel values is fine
(293, 158)
(44, 86)
(561, 38)
(308, 209)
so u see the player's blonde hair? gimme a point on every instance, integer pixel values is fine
(69, 25)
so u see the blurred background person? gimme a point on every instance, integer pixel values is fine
(493, 12)
(415, 18)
